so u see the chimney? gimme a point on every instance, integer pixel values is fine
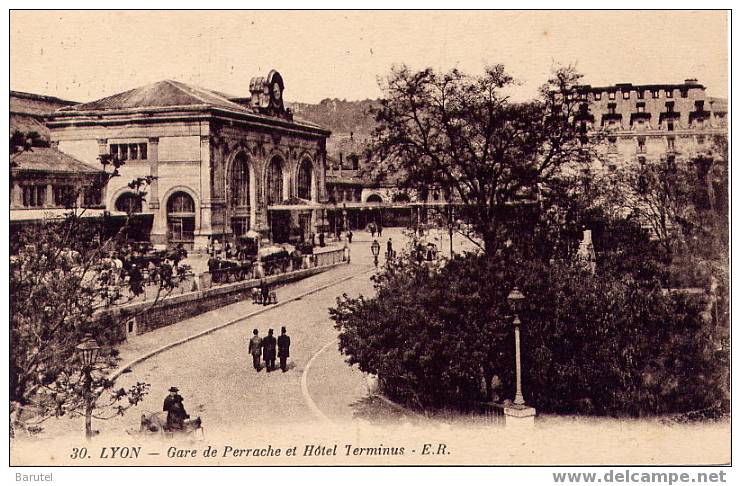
(690, 81)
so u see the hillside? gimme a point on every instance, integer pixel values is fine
(341, 117)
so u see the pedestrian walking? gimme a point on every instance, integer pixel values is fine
(264, 292)
(136, 280)
(380, 230)
(389, 249)
(268, 351)
(255, 349)
(349, 236)
(284, 344)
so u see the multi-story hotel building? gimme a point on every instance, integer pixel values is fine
(651, 122)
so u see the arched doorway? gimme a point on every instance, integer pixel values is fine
(305, 185)
(239, 190)
(181, 218)
(129, 203)
(374, 198)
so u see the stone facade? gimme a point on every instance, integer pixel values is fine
(651, 122)
(215, 158)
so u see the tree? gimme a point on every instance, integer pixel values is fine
(62, 275)
(659, 193)
(463, 134)
(603, 344)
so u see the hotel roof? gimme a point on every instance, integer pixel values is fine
(168, 95)
(165, 93)
(46, 159)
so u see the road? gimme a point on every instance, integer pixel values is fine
(321, 400)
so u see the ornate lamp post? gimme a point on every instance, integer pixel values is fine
(515, 300)
(375, 249)
(88, 351)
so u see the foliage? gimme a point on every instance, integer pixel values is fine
(463, 134)
(603, 344)
(63, 273)
(21, 141)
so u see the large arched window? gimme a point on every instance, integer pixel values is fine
(239, 182)
(181, 218)
(129, 203)
(374, 198)
(275, 181)
(305, 176)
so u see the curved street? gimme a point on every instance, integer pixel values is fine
(323, 401)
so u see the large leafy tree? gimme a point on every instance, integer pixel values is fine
(63, 277)
(463, 133)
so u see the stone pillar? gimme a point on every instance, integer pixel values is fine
(159, 223)
(49, 200)
(205, 230)
(17, 195)
(153, 157)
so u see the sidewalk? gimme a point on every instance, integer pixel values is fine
(138, 346)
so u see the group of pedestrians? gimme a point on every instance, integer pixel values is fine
(265, 349)
(375, 228)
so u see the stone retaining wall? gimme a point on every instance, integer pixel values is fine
(143, 317)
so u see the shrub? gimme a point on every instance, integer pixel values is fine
(600, 344)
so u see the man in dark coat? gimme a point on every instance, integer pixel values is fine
(264, 292)
(255, 349)
(268, 351)
(389, 249)
(176, 413)
(284, 344)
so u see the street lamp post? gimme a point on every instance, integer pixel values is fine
(88, 351)
(515, 300)
(375, 249)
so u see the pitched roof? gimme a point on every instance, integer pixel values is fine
(165, 93)
(46, 159)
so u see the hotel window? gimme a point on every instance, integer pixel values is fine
(699, 105)
(670, 126)
(641, 107)
(93, 196)
(700, 140)
(611, 108)
(611, 95)
(670, 144)
(64, 196)
(597, 96)
(639, 93)
(655, 93)
(641, 145)
(669, 93)
(583, 96)
(34, 196)
(683, 93)
(126, 151)
(626, 95)
(669, 107)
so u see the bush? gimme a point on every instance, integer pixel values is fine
(604, 344)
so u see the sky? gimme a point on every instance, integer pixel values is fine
(84, 56)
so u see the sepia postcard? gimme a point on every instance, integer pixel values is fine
(370, 238)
